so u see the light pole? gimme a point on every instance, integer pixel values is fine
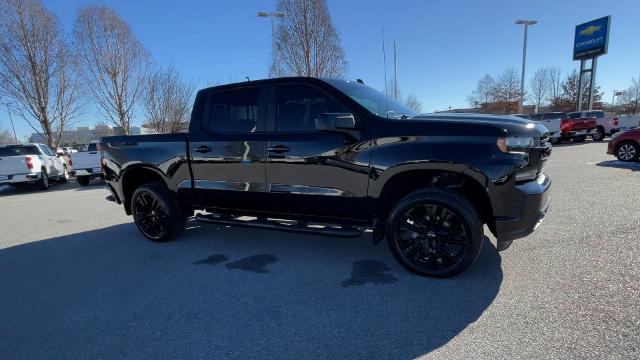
(271, 15)
(526, 24)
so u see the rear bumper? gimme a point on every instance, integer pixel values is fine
(20, 178)
(571, 134)
(611, 148)
(88, 172)
(529, 205)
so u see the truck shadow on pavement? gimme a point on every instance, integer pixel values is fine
(222, 292)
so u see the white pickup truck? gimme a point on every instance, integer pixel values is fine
(31, 163)
(86, 164)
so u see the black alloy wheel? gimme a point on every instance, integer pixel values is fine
(156, 213)
(435, 233)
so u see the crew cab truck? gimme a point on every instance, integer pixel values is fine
(562, 127)
(86, 164)
(333, 157)
(31, 164)
(606, 125)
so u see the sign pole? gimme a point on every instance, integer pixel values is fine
(580, 94)
(592, 81)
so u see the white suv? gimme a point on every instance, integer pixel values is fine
(31, 163)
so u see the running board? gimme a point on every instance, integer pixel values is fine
(293, 226)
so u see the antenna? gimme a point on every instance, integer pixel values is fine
(384, 61)
(395, 73)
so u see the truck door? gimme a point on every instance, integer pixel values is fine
(311, 172)
(228, 150)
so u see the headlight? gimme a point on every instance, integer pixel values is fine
(516, 143)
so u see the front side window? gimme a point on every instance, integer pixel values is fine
(234, 111)
(373, 100)
(298, 106)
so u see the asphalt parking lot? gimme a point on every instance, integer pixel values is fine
(78, 281)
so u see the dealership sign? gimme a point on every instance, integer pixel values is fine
(592, 39)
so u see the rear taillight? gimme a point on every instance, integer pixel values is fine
(615, 121)
(70, 161)
(28, 159)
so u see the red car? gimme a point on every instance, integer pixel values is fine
(625, 145)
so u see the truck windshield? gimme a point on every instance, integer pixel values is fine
(373, 100)
(18, 150)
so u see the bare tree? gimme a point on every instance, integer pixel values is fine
(306, 42)
(630, 98)
(539, 87)
(570, 91)
(102, 129)
(38, 76)
(114, 62)
(167, 101)
(554, 77)
(506, 91)
(483, 92)
(6, 137)
(413, 103)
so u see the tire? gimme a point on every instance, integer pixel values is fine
(598, 135)
(628, 151)
(43, 183)
(156, 213)
(65, 174)
(579, 139)
(83, 180)
(444, 228)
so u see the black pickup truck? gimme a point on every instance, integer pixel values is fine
(335, 157)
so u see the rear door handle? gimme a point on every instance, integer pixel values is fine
(203, 149)
(278, 149)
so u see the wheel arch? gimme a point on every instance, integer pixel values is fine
(461, 179)
(134, 177)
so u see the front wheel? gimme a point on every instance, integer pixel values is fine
(156, 213)
(434, 232)
(628, 151)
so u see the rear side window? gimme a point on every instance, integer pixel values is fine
(298, 106)
(575, 115)
(92, 147)
(234, 111)
(18, 150)
(595, 114)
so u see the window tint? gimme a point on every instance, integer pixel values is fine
(92, 147)
(18, 150)
(47, 150)
(234, 111)
(596, 114)
(298, 106)
(576, 115)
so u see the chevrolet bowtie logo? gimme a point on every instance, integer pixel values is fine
(590, 30)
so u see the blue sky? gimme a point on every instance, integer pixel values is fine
(444, 47)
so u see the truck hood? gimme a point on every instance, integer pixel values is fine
(500, 125)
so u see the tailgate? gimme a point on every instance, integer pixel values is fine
(86, 160)
(12, 165)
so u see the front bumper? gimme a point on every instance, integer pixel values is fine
(529, 204)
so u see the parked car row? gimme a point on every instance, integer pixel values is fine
(37, 164)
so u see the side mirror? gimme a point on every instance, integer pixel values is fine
(338, 122)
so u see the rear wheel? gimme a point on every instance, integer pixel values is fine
(628, 151)
(434, 232)
(83, 180)
(65, 174)
(579, 139)
(156, 213)
(598, 134)
(43, 183)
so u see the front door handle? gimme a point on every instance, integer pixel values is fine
(278, 149)
(203, 149)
